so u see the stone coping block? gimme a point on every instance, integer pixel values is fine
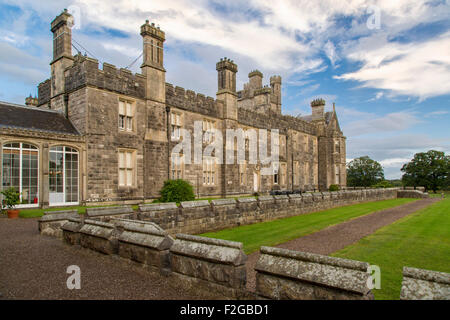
(195, 204)
(246, 200)
(129, 223)
(72, 225)
(108, 211)
(324, 271)
(59, 215)
(317, 196)
(146, 237)
(294, 196)
(223, 202)
(420, 284)
(266, 198)
(98, 229)
(214, 250)
(157, 206)
(60, 211)
(282, 197)
(307, 197)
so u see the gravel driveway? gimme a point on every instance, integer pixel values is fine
(34, 267)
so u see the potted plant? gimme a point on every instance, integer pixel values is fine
(11, 199)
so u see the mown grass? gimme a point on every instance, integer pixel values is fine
(278, 231)
(420, 240)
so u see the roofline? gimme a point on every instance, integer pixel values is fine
(27, 107)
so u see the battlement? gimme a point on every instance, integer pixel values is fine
(264, 90)
(85, 71)
(275, 79)
(255, 73)
(44, 92)
(189, 100)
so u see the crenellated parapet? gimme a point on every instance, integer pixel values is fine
(188, 100)
(85, 71)
(44, 92)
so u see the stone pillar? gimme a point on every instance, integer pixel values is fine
(43, 177)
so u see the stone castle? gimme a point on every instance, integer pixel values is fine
(106, 135)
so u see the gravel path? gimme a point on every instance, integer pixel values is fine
(339, 236)
(34, 267)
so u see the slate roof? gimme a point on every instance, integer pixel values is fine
(32, 118)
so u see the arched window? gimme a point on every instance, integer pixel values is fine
(63, 175)
(20, 169)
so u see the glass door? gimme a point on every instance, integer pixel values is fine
(63, 176)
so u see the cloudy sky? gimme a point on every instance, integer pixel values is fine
(386, 64)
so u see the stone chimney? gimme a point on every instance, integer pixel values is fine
(318, 107)
(153, 61)
(255, 79)
(226, 77)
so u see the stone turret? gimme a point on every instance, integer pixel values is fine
(226, 76)
(153, 61)
(255, 79)
(275, 84)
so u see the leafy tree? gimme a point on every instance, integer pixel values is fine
(429, 169)
(177, 191)
(383, 184)
(364, 172)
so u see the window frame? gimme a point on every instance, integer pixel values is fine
(125, 117)
(125, 168)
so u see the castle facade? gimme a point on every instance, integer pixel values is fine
(107, 135)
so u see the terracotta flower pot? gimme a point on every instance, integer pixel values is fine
(13, 214)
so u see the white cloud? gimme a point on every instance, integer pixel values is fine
(437, 113)
(419, 70)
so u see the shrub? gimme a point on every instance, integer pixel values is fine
(176, 191)
(383, 184)
(333, 187)
(12, 198)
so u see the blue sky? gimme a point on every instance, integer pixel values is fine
(386, 64)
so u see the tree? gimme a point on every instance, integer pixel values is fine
(364, 172)
(428, 169)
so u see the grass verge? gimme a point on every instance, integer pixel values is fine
(420, 240)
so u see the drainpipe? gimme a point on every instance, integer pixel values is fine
(168, 140)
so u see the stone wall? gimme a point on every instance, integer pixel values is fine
(292, 275)
(201, 216)
(419, 284)
(412, 194)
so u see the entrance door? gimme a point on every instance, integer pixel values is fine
(63, 176)
(255, 182)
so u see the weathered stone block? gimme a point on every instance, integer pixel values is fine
(287, 274)
(99, 236)
(420, 284)
(50, 224)
(71, 231)
(219, 261)
(105, 213)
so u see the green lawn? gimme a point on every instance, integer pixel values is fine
(420, 240)
(278, 231)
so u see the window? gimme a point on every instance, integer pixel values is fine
(209, 170)
(175, 119)
(306, 142)
(337, 179)
(126, 115)
(337, 147)
(20, 170)
(306, 175)
(243, 173)
(63, 175)
(276, 177)
(176, 167)
(283, 173)
(208, 133)
(296, 173)
(126, 168)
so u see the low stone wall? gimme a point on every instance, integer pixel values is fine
(71, 231)
(216, 266)
(194, 217)
(412, 194)
(286, 274)
(51, 222)
(419, 284)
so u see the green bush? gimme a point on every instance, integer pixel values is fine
(177, 191)
(383, 184)
(11, 198)
(333, 187)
